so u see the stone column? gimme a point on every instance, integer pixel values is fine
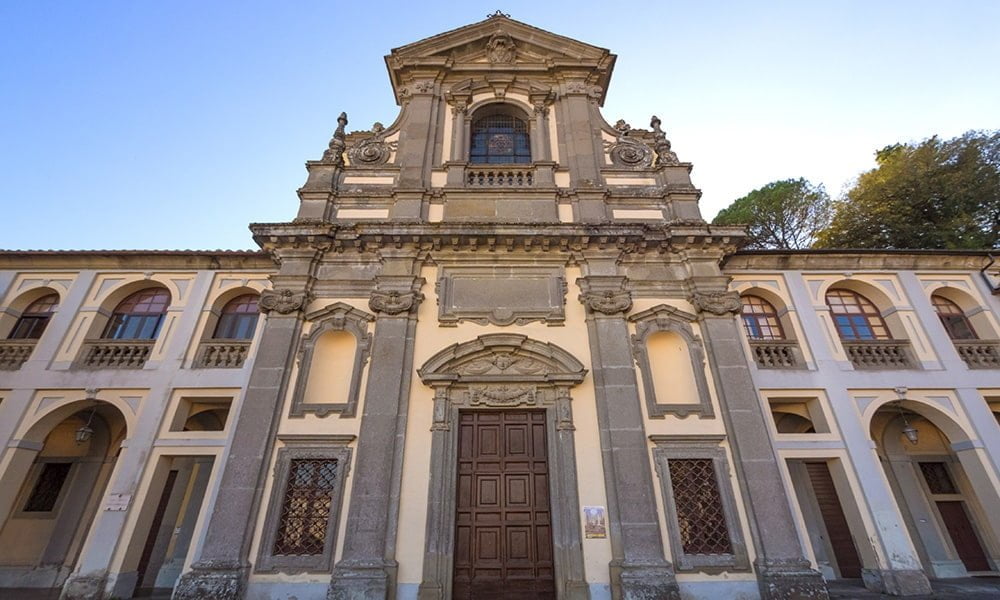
(638, 567)
(782, 569)
(367, 568)
(222, 569)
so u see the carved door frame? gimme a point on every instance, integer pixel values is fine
(503, 371)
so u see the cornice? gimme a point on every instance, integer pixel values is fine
(497, 237)
(235, 260)
(855, 260)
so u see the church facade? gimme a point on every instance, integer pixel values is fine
(497, 354)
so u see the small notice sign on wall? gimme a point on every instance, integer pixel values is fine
(117, 502)
(595, 522)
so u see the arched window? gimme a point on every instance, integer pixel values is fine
(239, 319)
(953, 318)
(760, 319)
(35, 318)
(499, 137)
(139, 316)
(855, 316)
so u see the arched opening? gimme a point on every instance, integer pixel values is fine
(942, 487)
(139, 316)
(35, 318)
(769, 330)
(52, 489)
(499, 135)
(870, 339)
(971, 327)
(22, 324)
(229, 330)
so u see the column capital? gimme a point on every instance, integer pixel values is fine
(605, 294)
(395, 295)
(284, 301)
(717, 303)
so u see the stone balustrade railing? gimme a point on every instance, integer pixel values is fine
(775, 354)
(879, 354)
(116, 354)
(979, 354)
(14, 353)
(500, 177)
(222, 354)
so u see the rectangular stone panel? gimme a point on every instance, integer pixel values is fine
(501, 295)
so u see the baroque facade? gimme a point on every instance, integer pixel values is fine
(497, 354)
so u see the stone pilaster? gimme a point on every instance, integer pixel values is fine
(222, 569)
(367, 569)
(638, 567)
(782, 569)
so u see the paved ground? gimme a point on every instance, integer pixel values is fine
(972, 588)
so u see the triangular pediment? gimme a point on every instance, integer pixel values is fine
(469, 43)
(499, 44)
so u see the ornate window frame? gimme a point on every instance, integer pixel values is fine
(331, 447)
(659, 318)
(669, 447)
(336, 317)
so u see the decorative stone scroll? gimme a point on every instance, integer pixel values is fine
(717, 303)
(629, 152)
(283, 300)
(336, 317)
(668, 318)
(372, 151)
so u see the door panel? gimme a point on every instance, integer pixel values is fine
(837, 528)
(963, 536)
(503, 541)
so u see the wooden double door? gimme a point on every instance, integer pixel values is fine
(503, 530)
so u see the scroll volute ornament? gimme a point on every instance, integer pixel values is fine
(609, 302)
(717, 303)
(283, 301)
(372, 151)
(394, 303)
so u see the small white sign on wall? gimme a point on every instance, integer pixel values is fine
(117, 502)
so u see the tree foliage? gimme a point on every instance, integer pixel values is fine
(783, 215)
(937, 193)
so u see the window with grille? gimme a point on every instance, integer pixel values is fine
(953, 318)
(47, 487)
(139, 316)
(302, 516)
(702, 522)
(700, 517)
(35, 318)
(937, 478)
(760, 319)
(499, 138)
(305, 511)
(239, 319)
(855, 316)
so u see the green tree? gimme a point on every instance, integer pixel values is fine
(783, 215)
(937, 193)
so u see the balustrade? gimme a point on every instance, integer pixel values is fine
(116, 354)
(222, 354)
(879, 354)
(14, 353)
(506, 177)
(772, 354)
(979, 354)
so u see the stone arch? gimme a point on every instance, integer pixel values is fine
(10, 313)
(954, 451)
(59, 530)
(495, 372)
(111, 300)
(978, 315)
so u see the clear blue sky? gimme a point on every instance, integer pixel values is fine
(157, 125)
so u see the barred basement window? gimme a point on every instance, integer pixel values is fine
(702, 522)
(306, 508)
(300, 530)
(700, 516)
(46, 492)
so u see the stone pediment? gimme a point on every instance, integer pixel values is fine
(497, 358)
(498, 44)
